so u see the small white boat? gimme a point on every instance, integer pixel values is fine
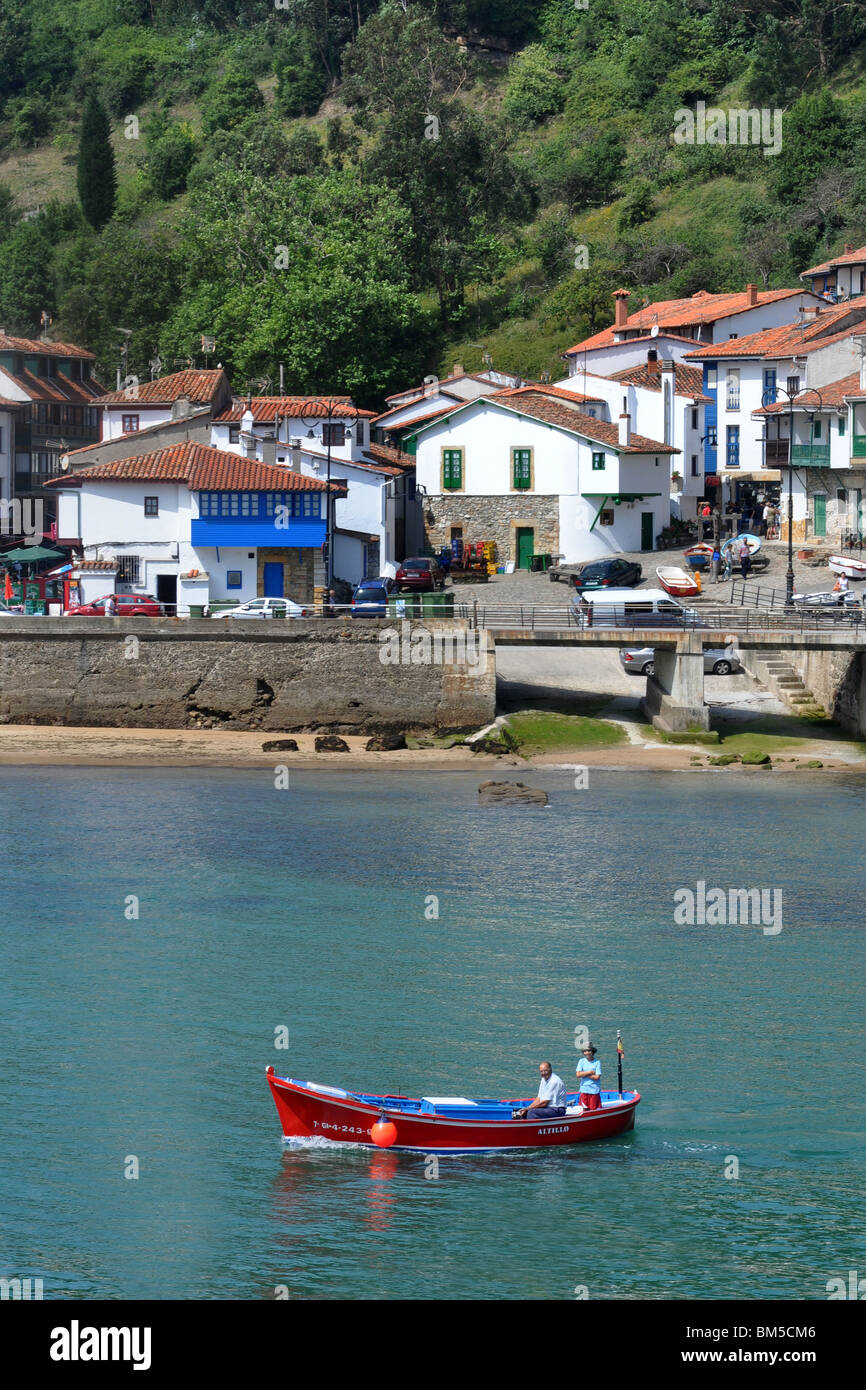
(854, 569)
(753, 542)
(677, 582)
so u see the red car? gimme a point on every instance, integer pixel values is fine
(128, 606)
(420, 572)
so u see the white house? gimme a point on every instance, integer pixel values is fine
(743, 375)
(191, 524)
(140, 405)
(665, 401)
(829, 454)
(376, 520)
(530, 470)
(435, 394)
(842, 277)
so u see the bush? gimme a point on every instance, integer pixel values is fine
(534, 90)
(170, 157)
(31, 119)
(229, 101)
(301, 79)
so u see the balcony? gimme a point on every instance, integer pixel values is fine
(812, 455)
(858, 448)
(301, 532)
(777, 453)
(733, 402)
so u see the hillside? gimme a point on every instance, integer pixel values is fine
(367, 192)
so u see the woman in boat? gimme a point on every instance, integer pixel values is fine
(589, 1076)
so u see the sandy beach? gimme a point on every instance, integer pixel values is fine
(32, 745)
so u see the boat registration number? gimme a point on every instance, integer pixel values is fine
(340, 1129)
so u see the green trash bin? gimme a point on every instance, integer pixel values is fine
(439, 605)
(406, 605)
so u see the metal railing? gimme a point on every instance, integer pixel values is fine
(736, 616)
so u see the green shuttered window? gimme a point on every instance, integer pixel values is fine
(452, 468)
(521, 467)
(598, 463)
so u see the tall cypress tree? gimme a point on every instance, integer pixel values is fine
(97, 181)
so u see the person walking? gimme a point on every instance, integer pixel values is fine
(111, 606)
(745, 556)
(715, 563)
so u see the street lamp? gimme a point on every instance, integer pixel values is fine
(326, 406)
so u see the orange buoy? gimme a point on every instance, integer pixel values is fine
(383, 1133)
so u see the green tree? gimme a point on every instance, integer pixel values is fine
(97, 180)
(26, 281)
(817, 136)
(171, 153)
(229, 101)
(534, 89)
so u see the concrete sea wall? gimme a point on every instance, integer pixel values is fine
(273, 676)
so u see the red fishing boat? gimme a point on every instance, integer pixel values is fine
(439, 1124)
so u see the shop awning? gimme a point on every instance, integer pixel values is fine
(31, 555)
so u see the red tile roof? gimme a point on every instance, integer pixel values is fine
(266, 408)
(792, 339)
(831, 396)
(688, 381)
(416, 419)
(418, 391)
(201, 467)
(10, 405)
(201, 387)
(96, 565)
(542, 404)
(699, 309)
(395, 458)
(57, 389)
(553, 391)
(32, 346)
(857, 257)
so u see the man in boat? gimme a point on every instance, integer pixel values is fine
(589, 1076)
(550, 1102)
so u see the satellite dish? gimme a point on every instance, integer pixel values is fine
(654, 331)
(64, 462)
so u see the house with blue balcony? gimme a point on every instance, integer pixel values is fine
(191, 524)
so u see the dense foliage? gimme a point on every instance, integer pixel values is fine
(361, 189)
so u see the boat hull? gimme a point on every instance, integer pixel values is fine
(852, 569)
(677, 583)
(343, 1118)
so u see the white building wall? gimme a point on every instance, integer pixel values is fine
(6, 469)
(112, 419)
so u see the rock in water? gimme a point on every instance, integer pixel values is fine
(331, 743)
(385, 743)
(510, 793)
(281, 745)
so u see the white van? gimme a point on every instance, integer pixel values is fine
(632, 608)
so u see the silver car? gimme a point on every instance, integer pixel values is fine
(718, 661)
(265, 608)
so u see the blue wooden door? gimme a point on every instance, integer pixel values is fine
(273, 580)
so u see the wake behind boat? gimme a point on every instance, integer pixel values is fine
(439, 1124)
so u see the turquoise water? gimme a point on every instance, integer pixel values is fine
(148, 1038)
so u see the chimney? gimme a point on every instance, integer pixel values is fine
(457, 369)
(181, 408)
(751, 295)
(295, 456)
(652, 358)
(810, 312)
(625, 429)
(269, 451)
(847, 249)
(621, 315)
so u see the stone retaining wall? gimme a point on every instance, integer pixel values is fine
(273, 676)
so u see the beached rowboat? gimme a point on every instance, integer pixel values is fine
(854, 569)
(439, 1124)
(677, 581)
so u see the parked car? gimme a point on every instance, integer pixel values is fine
(717, 661)
(7, 612)
(128, 606)
(420, 572)
(616, 573)
(265, 608)
(370, 599)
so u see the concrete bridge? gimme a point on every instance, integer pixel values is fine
(674, 698)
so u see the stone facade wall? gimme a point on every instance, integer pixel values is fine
(299, 568)
(841, 516)
(493, 519)
(838, 682)
(274, 676)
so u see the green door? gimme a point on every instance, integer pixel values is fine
(525, 546)
(646, 530)
(820, 514)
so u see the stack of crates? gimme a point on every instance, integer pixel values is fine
(490, 556)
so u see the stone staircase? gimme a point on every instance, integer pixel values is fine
(778, 675)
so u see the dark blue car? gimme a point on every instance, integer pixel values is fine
(370, 599)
